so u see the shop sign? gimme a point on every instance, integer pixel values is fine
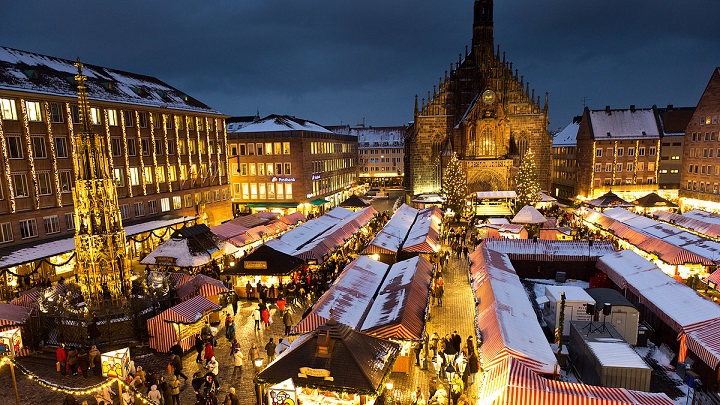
(306, 372)
(10, 342)
(255, 265)
(276, 179)
(185, 331)
(282, 393)
(165, 260)
(116, 363)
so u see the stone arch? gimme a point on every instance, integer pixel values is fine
(485, 180)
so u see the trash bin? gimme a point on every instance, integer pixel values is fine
(560, 276)
(645, 331)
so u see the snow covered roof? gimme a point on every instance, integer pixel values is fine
(617, 354)
(282, 123)
(190, 247)
(528, 215)
(498, 221)
(566, 137)
(550, 250)
(19, 255)
(624, 124)
(424, 235)
(495, 194)
(34, 73)
(391, 237)
(13, 314)
(374, 137)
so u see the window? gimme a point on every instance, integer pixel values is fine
(128, 118)
(52, 224)
(234, 169)
(172, 173)
(191, 123)
(56, 113)
(253, 169)
(145, 146)
(288, 191)
(6, 232)
(271, 191)
(39, 150)
(33, 111)
(631, 151)
(119, 177)
(14, 144)
(152, 207)
(148, 174)
(243, 169)
(651, 167)
(157, 120)
(268, 148)
(286, 148)
(677, 157)
(651, 151)
(641, 151)
(262, 191)
(598, 152)
(171, 147)
(134, 176)
(181, 147)
(125, 211)
(261, 169)
(142, 119)
(170, 122)
(159, 148)
(177, 202)
(183, 172)
(270, 169)
(188, 200)
(44, 186)
(95, 116)
(112, 118)
(160, 174)
(132, 147)
(279, 191)
(640, 166)
(116, 147)
(61, 149)
(8, 110)
(618, 167)
(278, 169)
(251, 149)
(620, 151)
(191, 147)
(277, 148)
(259, 148)
(28, 228)
(242, 150)
(20, 183)
(629, 167)
(65, 181)
(139, 209)
(75, 113)
(287, 170)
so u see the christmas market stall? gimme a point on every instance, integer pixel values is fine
(264, 265)
(190, 248)
(14, 316)
(388, 242)
(180, 323)
(653, 203)
(202, 285)
(682, 319)
(608, 200)
(333, 365)
(700, 222)
(354, 203)
(424, 235)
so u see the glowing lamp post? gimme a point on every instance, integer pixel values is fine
(116, 364)
(10, 346)
(258, 388)
(389, 392)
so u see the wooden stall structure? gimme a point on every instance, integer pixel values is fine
(180, 323)
(202, 285)
(190, 248)
(388, 242)
(12, 317)
(264, 265)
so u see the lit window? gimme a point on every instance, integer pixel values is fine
(134, 176)
(165, 204)
(7, 108)
(6, 232)
(33, 111)
(147, 174)
(112, 118)
(177, 202)
(95, 116)
(70, 221)
(118, 177)
(172, 173)
(287, 169)
(161, 174)
(38, 143)
(20, 183)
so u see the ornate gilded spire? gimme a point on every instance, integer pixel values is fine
(83, 105)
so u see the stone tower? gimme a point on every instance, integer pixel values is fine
(101, 251)
(483, 110)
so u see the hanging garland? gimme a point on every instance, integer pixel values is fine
(89, 390)
(37, 266)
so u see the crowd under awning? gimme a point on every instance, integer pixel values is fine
(266, 261)
(179, 323)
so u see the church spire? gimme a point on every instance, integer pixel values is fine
(83, 104)
(483, 39)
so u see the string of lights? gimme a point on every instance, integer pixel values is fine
(125, 150)
(89, 390)
(527, 185)
(31, 154)
(153, 152)
(177, 147)
(53, 155)
(140, 154)
(189, 151)
(71, 132)
(227, 155)
(208, 149)
(167, 152)
(108, 144)
(8, 174)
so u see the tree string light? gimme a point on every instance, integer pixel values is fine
(125, 150)
(8, 175)
(53, 156)
(167, 154)
(31, 153)
(454, 185)
(526, 184)
(139, 150)
(153, 152)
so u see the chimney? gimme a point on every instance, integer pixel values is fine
(670, 106)
(607, 109)
(632, 107)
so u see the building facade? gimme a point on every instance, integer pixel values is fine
(483, 111)
(381, 153)
(699, 184)
(564, 162)
(673, 122)
(286, 164)
(618, 151)
(167, 150)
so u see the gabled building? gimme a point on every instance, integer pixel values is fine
(673, 122)
(618, 151)
(699, 184)
(483, 110)
(564, 161)
(381, 152)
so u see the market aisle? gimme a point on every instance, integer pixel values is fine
(457, 313)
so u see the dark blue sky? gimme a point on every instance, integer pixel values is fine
(336, 61)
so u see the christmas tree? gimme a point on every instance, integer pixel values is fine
(454, 186)
(526, 183)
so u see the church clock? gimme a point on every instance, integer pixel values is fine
(488, 97)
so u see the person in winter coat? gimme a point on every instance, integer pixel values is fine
(138, 384)
(166, 390)
(254, 352)
(72, 360)
(94, 333)
(440, 397)
(234, 399)
(199, 345)
(175, 390)
(213, 366)
(127, 398)
(131, 368)
(83, 363)
(154, 395)
(177, 366)
(211, 382)
(270, 350)
(140, 373)
(176, 349)
(256, 316)
(197, 381)
(209, 352)
(265, 314)
(238, 359)
(105, 395)
(61, 356)
(230, 331)
(288, 322)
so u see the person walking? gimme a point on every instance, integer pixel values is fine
(166, 389)
(154, 395)
(238, 359)
(270, 350)
(232, 398)
(254, 352)
(177, 349)
(255, 315)
(198, 347)
(175, 390)
(213, 366)
(439, 290)
(92, 354)
(417, 397)
(61, 357)
(83, 363)
(94, 333)
(434, 338)
(177, 366)
(417, 347)
(230, 331)
(287, 321)
(206, 332)
(72, 360)
(265, 314)
(209, 352)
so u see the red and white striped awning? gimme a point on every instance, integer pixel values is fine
(201, 285)
(294, 218)
(309, 323)
(703, 339)
(372, 249)
(190, 311)
(163, 334)
(28, 298)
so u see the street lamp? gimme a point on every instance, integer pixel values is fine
(450, 370)
(388, 392)
(258, 387)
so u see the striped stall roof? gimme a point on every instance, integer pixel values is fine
(394, 233)
(28, 298)
(424, 236)
(190, 311)
(294, 218)
(163, 334)
(548, 250)
(703, 339)
(201, 285)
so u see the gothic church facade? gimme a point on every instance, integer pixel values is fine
(483, 111)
